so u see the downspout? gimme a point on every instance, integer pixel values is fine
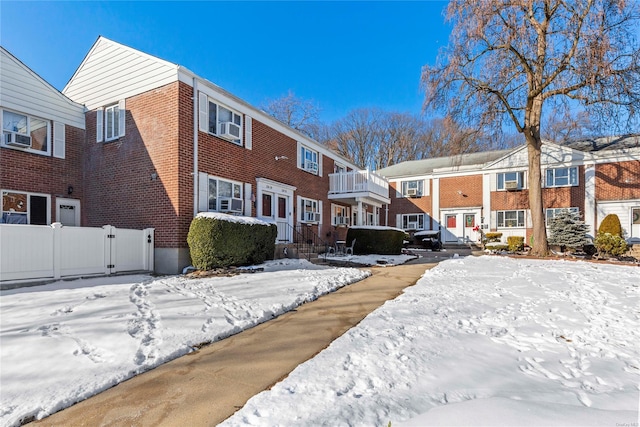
(195, 146)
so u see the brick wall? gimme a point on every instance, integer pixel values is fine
(34, 173)
(407, 205)
(470, 186)
(120, 186)
(618, 181)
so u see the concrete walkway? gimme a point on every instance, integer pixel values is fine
(206, 387)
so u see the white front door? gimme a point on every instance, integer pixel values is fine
(282, 209)
(276, 206)
(450, 228)
(68, 212)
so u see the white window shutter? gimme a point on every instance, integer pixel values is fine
(493, 220)
(527, 218)
(320, 211)
(203, 192)
(203, 113)
(398, 221)
(319, 164)
(247, 199)
(121, 117)
(425, 188)
(299, 158)
(58, 140)
(493, 182)
(100, 125)
(248, 132)
(300, 209)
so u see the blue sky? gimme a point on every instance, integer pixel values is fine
(342, 55)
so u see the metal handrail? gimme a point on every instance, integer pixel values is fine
(303, 237)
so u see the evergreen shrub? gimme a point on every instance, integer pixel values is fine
(515, 243)
(221, 240)
(610, 244)
(378, 240)
(567, 230)
(492, 237)
(611, 224)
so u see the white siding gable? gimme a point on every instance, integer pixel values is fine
(112, 71)
(25, 92)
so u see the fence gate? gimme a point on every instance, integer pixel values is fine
(38, 252)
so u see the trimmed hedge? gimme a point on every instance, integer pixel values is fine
(611, 224)
(215, 242)
(379, 240)
(515, 243)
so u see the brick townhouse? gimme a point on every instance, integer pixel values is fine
(41, 173)
(489, 189)
(163, 144)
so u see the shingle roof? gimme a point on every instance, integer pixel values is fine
(607, 143)
(426, 166)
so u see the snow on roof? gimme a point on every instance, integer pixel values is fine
(232, 218)
(608, 143)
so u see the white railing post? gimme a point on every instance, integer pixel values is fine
(57, 249)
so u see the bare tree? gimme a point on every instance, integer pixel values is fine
(300, 114)
(506, 59)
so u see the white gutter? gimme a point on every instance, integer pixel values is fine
(195, 146)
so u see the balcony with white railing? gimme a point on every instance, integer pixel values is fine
(363, 185)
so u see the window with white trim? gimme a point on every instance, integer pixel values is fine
(225, 196)
(309, 160)
(25, 132)
(339, 215)
(413, 188)
(510, 181)
(309, 210)
(413, 221)
(110, 122)
(338, 168)
(25, 208)
(510, 219)
(225, 122)
(562, 177)
(552, 212)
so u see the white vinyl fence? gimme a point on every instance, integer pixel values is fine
(40, 252)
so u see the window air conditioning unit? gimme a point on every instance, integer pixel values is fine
(511, 185)
(230, 205)
(229, 130)
(412, 226)
(341, 220)
(17, 140)
(311, 166)
(412, 192)
(312, 216)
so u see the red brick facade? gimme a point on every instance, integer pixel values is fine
(34, 173)
(461, 191)
(618, 181)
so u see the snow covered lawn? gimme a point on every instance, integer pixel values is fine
(478, 341)
(68, 340)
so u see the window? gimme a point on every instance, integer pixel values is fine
(413, 221)
(225, 196)
(25, 208)
(510, 219)
(511, 181)
(309, 160)
(339, 215)
(413, 188)
(267, 205)
(338, 168)
(562, 177)
(552, 212)
(112, 122)
(25, 132)
(310, 211)
(225, 123)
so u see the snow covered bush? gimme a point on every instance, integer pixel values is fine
(220, 240)
(376, 240)
(567, 231)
